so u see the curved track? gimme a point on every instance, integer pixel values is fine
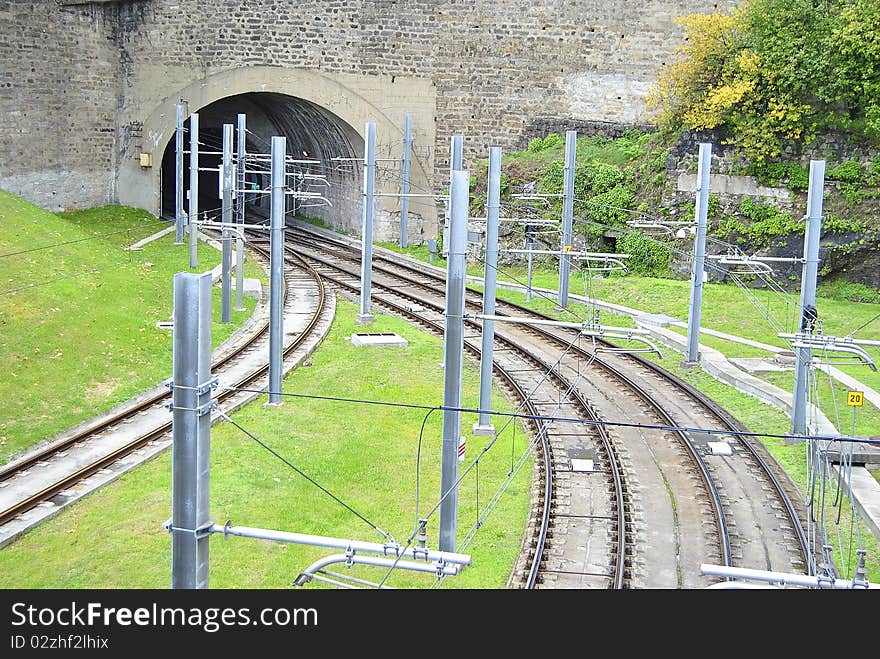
(68, 469)
(638, 488)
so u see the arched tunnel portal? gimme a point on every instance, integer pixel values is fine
(328, 152)
(321, 114)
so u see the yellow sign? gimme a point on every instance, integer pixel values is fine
(855, 398)
(568, 248)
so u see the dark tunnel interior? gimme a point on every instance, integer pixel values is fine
(312, 134)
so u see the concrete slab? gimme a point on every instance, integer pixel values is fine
(720, 448)
(581, 465)
(759, 365)
(378, 339)
(484, 431)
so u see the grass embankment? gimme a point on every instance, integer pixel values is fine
(365, 454)
(730, 310)
(78, 314)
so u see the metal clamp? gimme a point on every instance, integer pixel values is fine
(207, 408)
(208, 386)
(200, 532)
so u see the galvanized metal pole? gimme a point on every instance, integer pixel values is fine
(178, 177)
(193, 189)
(456, 157)
(453, 351)
(484, 423)
(529, 245)
(404, 179)
(239, 214)
(276, 268)
(699, 265)
(367, 228)
(803, 356)
(191, 431)
(567, 215)
(226, 272)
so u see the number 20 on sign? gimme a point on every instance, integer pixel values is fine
(855, 398)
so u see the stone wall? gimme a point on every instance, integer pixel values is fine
(497, 69)
(58, 98)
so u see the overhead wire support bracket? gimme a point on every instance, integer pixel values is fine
(663, 226)
(390, 555)
(826, 344)
(610, 261)
(751, 265)
(585, 328)
(315, 570)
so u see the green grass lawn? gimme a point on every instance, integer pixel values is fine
(78, 314)
(379, 460)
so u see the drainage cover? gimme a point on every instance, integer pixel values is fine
(720, 448)
(378, 339)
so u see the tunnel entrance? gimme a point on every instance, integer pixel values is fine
(313, 134)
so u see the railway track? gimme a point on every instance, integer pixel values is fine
(61, 466)
(640, 503)
(597, 520)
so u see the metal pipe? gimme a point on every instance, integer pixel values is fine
(698, 269)
(453, 350)
(456, 158)
(395, 550)
(191, 430)
(178, 176)
(226, 271)
(525, 320)
(193, 189)
(239, 212)
(404, 176)
(306, 575)
(781, 578)
(567, 215)
(484, 422)
(367, 229)
(529, 245)
(276, 268)
(810, 274)
(836, 340)
(599, 256)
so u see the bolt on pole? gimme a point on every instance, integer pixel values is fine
(484, 423)
(276, 267)
(404, 179)
(453, 350)
(367, 228)
(178, 176)
(567, 215)
(810, 274)
(239, 214)
(226, 272)
(191, 431)
(193, 189)
(698, 269)
(456, 157)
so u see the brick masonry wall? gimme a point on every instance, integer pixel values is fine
(58, 98)
(502, 70)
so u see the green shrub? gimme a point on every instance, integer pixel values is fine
(646, 257)
(600, 177)
(774, 173)
(538, 144)
(846, 172)
(611, 208)
(767, 221)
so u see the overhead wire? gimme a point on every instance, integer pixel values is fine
(338, 500)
